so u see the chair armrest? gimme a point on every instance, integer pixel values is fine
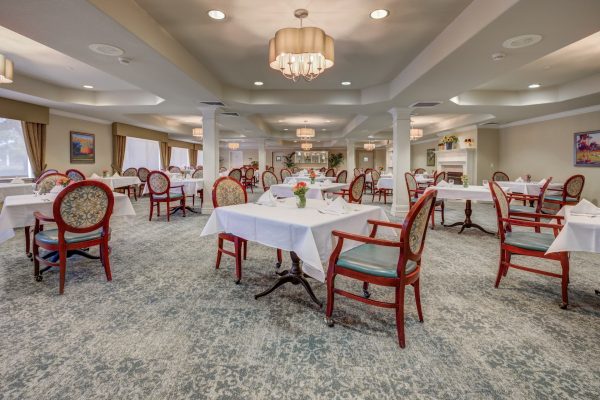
(365, 239)
(522, 196)
(384, 223)
(533, 224)
(534, 215)
(41, 217)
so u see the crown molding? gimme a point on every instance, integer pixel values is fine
(67, 114)
(549, 117)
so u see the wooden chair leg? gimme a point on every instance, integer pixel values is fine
(443, 208)
(279, 258)
(564, 262)
(245, 244)
(183, 205)
(168, 211)
(330, 296)
(106, 260)
(238, 260)
(135, 196)
(507, 258)
(366, 293)
(36, 262)
(400, 314)
(28, 241)
(219, 253)
(158, 208)
(151, 210)
(62, 256)
(417, 287)
(500, 268)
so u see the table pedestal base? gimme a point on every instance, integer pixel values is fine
(467, 223)
(597, 292)
(179, 208)
(294, 276)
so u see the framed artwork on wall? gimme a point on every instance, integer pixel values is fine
(430, 157)
(83, 147)
(278, 158)
(586, 149)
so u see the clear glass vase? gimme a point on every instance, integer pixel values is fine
(301, 200)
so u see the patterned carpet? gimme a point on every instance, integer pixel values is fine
(170, 326)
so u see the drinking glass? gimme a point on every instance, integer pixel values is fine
(36, 193)
(451, 181)
(485, 182)
(328, 197)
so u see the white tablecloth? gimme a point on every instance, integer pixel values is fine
(14, 189)
(458, 192)
(17, 211)
(307, 179)
(190, 186)
(122, 181)
(302, 230)
(530, 188)
(385, 182)
(314, 191)
(580, 233)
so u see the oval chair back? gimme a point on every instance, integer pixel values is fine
(130, 172)
(573, 187)
(342, 176)
(414, 231)
(330, 172)
(44, 173)
(228, 192)
(236, 174)
(438, 177)
(48, 181)
(411, 187)
(75, 175)
(500, 176)
(268, 179)
(174, 170)
(143, 174)
(198, 173)
(375, 176)
(357, 188)
(285, 173)
(249, 174)
(420, 171)
(357, 172)
(158, 183)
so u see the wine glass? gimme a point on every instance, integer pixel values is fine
(485, 182)
(36, 192)
(328, 197)
(451, 181)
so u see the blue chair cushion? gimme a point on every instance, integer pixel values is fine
(522, 209)
(529, 240)
(50, 236)
(174, 196)
(374, 260)
(559, 198)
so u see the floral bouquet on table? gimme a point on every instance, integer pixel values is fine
(64, 182)
(312, 175)
(449, 141)
(465, 180)
(300, 190)
(104, 173)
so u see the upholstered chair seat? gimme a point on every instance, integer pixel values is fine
(50, 236)
(173, 196)
(560, 198)
(374, 260)
(530, 240)
(522, 209)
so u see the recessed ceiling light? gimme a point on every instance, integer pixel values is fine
(518, 42)
(534, 86)
(328, 121)
(379, 14)
(279, 120)
(216, 14)
(346, 83)
(88, 86)
(106, 49)
(258, 83)
(323, 129)
(285, 129)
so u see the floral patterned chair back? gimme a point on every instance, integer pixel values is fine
(420, 171)
(269, 179)
(357, 172)
(342, 176)
(573, 187)
(357, 187)
(249, 174)
(414, 230)
(330, 172)
(285, 173)
(411, 186)
(272, 169)
(236, 174)
(439, 177)
(48, 181)
(502, 207)
(44, 173)
(75, 175)
(158, 183)
(375, 176)
(198, 174)
(83, 207)
(130, 172)
(174, 170)
(228, 192)
(500, 176)
(143, 174)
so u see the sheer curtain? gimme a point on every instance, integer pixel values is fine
(180, 157)
(141, 153)
(14, 159)
(200, 158)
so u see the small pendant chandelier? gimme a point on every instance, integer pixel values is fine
(306, 146)
(369, 146)
(304, 133)
(6, 70)
(415, 133)
(198, 132)
(301, 52)
(233, 145)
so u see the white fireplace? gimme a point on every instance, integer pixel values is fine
(457, 161)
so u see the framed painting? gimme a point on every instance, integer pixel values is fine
(587, 149)
(278, 158)
(83, 147)
(431, 157)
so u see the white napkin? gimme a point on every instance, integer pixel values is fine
(116, 175)
(95, 176)
(519, 179)
(442, 183)
(292, 181)
(338, 206)
(584, 207)
(328, 181)
(267, 199)
(17, 180)
(542, 182)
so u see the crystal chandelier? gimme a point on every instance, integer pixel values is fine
(233, 146)
(369, 146)
(198, 132)
(305, 132)
(306, 146)
(6, 70)
(301, 52)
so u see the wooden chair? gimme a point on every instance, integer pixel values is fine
(413, 189)
(356, 190)
(143, 177)
(537, 201)
(44, 173)
(532, 244)
(439, 203)
(357, 172)
(131, 188)
(500, 176)
(174, 170)
(342, 176)
(285, 173)
(383, 262)
(198, 174)
(419, 171)
(330, 173)
(159, 186)
(82, 213)
(75, 175)
(268, 179)
(570, 194)
(371, 185)
(248, 179)
(236, 174)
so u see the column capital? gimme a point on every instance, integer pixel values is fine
(209, 112)
(400, 113)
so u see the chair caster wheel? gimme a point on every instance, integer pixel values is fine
(564, 306)
(329, 322)
(366, 294)
(38, 278)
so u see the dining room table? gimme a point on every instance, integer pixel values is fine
(191, 186)
(115, 182)
(306, 178)
(12, 189)
(529, 188)
(304, 232)
(316, 190)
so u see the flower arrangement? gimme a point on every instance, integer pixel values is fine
(465, 180)
(104, 173)
(528, 178)
(312, 175)
(449, 141)
(468, 142)
(64, 182)
(300, 190)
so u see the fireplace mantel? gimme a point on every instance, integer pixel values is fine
(449, 160)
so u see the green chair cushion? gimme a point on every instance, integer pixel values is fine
(50, 236)
(522, 209)
(529, 240)
(374, 260)
(174, 196)
(559, 198)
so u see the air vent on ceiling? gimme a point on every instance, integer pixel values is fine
(421, 104)
(490, 125)
(213, 103)
(230, 114)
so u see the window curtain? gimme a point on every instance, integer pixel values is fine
(193, 157)
(119, 144)
(165, 154)
(35, 141)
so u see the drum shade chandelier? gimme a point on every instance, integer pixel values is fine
(305, 132)
(301, 52)
(6, 69)
(233, 146)
(198, 132)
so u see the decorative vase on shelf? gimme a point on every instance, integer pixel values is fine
(449, 146)
(301, 200)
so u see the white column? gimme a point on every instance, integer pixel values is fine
(350, 159)
(211, 155)
(401, 159)
(262, 155)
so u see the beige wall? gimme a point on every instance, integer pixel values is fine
(488, 153)
(545, 149)
(418, 155)
(57, 144)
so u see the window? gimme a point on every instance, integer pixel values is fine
(13, 154)
(200, 158)
(141, 153)
(180, 157)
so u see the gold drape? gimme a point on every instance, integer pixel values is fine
(119, 143)
(193, 157)
(165, 154)
(35, 141)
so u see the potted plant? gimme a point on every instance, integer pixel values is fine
(254, 164)
(335, 160)
(300, 190)
(449, 140)
(468, 142)
(465, 180)
(288, 161)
